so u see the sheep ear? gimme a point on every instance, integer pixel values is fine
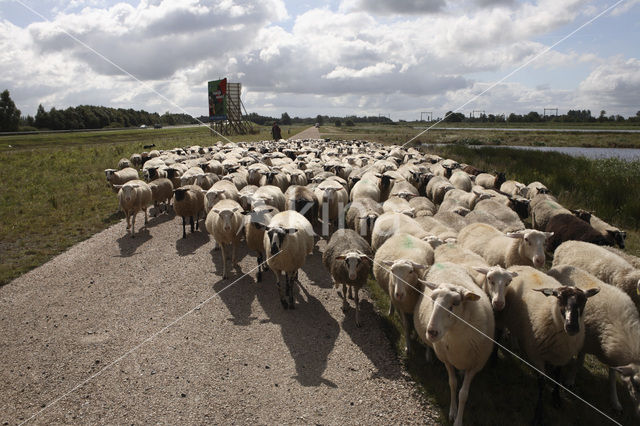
(341, 257)
(625, 370)
(235, 209)
(514, 235)
(204, 191)
(513, 274)
(428, 284)
(547, 291)
(548, 234)
(292, 230)
(482, 270)
(118, 186)
(387, 263)
(418, 266)
(592, 292)
(471, 297)
(216, 211)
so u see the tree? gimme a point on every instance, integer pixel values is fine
(319, 120)
(338, 123)
(285, 119)
(9, 114)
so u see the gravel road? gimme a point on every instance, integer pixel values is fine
(119, 330)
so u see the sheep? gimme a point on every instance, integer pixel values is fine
(134, 196)
(457, 321)
(611, 233)
(161, 192)
(392, 223)
(455, 218)
(512, 187)
(224, 222)
(422, 206)
(489, 181)
(255, 173)
(153, 173)
(433, 226)
(349, 258)
(275, 177)
(461, 180)
(244, 196)
(238, 178)
(270, 195)
(399, 205)
(332, 200)
(550, 330)
(136, 160)
(437, 187)
(633, 260)
(397, 266)
(206, 181)
(542, 208)
(403, 189)
(510, 220)
(222, 189)
(304, 201)
(602, 263)
(457, 197)
(535, 188)
(471, 170)
(362, 215)
(492, 279)
(123, 163)
(256, 222)
(514, 248)
(188, 201)
(366, 187)
(120, 177)
(612, 331)
(288, 239)
(567, 227)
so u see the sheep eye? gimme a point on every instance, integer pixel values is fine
(451, 308)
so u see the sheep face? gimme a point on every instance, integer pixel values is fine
(276, 237)
(404, 275)
(448, 303)
(226, 217)
(570, 305)
(495, 283)
(618, 237)
(353, 260)
(214, 195)
(109, 174)
(630, 374)
(532, 244)
(128, 192)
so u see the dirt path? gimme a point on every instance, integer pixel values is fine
(237, 359)
(310, 133)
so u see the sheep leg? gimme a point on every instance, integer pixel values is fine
(406, 326)
(613, 391)
(191, 223)
(557, 376)
(184, 227)
(453, 388)
(281, 291)
(357, 302)
(290, 287)
(128, 216)
(145, 216)
(156, 207)
(259, 275)
(573, 371)
(539, 413)
(350, 292)
(224, 262)
(391, 309)
(197, 221)
(234, 263)
(345, 304)
(463, 395)
(133, 224)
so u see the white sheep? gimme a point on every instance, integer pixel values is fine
(388, 224)
(602, 263)
(423, 206)
(366, 187)
(161, 192)
(123, 163)
(437, 188)
(535, 188)
(508, 219)
(134, 196)
(461, 180)
(542, 208)
(433, 226)
(492, 279)
(256, 222)
(120, 177)
(288, 239)
(349, 258)
(457, 321)
(224, 222)
(362, 215)
(612, 331)
(550, 330)
(514, 248)
(220, 190)
(332, 201)
(398, 205)
(397, 266)
(270, 195)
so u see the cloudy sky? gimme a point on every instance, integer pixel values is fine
(335, 57)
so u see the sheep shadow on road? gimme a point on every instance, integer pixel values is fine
(128, 245)
(188, 246)
(309, 331)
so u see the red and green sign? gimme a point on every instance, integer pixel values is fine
(218, 99)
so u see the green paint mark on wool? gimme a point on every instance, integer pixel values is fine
(438, 266)
(408, 242)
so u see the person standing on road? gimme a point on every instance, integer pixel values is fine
(275, 131)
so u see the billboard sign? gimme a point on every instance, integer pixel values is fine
(217, 90)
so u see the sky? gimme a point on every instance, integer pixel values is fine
(397, 58)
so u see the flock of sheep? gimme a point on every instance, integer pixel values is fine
(446, 241)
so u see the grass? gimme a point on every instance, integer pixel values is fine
(401, 133)
(55, 193)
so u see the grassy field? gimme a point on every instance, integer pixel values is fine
(55, 192)
(401, 133)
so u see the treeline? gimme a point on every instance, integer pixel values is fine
(286, 120)
(97, 117)
(572, 116)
